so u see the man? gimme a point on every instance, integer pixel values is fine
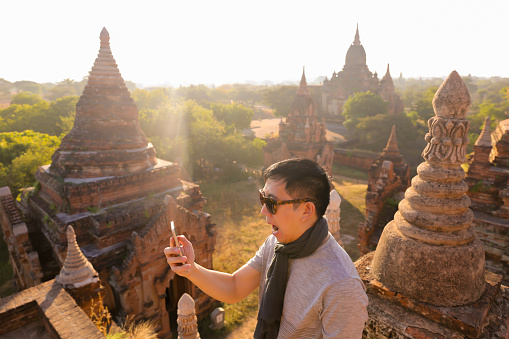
(309, 287)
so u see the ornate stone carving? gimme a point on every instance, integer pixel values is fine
(187, 322)
(430, 251)
(447, 140)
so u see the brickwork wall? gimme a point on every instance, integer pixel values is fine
(353, 159)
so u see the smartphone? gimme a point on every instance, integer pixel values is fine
(177, 243)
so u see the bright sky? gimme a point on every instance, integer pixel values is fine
(216, 41)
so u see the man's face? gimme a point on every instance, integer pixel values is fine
(287, 224)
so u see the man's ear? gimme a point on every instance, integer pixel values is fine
(309, 211)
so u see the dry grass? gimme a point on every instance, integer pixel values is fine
(353, 210)
(132, 330)
(241, 229)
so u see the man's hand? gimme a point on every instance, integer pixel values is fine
(181, 265)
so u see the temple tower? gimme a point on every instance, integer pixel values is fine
(430, 251)
(303, 134)
(388, 177)
(388, 93)
(488, 181)
(356, 77)
(106, 182)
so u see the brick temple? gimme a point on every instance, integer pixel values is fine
(303, 133)
(107, 183)
(427, 277)
(488, 181)
(356, 77)
(388, 178)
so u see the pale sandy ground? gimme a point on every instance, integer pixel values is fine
(265, 127)
(246, 330)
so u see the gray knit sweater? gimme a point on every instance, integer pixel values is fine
(324, 298)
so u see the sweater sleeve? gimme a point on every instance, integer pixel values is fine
(344, 310)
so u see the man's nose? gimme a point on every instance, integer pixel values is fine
(264, 210)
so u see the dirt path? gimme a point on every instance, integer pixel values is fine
(246, 330)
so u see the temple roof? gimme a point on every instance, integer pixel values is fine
(106, 139)
(356, 55)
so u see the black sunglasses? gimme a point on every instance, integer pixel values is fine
(272, 204)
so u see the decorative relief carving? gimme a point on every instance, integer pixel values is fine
(447, 140)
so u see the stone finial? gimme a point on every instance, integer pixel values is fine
(452, 100)
(186, 318)
(307, 123)
(447, 137)
(430, 251)
(77, 270)
(332, 214)
(485, 136)
(104, 36)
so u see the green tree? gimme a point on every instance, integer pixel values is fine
(424, 105)
(43, 117)
(374, 132)
(27, 86)
(26, 98)
(280, 98)
(235, 115)
(363, 104)
(21, 153)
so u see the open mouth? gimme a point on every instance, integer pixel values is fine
(274, 229)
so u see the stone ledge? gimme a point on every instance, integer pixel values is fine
(468, 319)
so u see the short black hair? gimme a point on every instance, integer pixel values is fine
(304, 178)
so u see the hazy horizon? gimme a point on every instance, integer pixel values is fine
(227, 42)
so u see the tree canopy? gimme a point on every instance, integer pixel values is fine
(363, 104)
(21, 153)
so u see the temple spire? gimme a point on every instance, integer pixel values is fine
(77, 270)
(388, 73)
(485, 136)
(303, 87)
(106, 139)
(303, 82)
(392, 144)
(357, 40)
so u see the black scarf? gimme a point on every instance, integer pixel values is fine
(271, 306)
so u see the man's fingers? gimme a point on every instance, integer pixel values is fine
(168, 251)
